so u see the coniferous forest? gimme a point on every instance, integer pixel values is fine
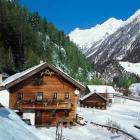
(26, 38)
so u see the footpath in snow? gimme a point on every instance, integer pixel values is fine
(124, 112)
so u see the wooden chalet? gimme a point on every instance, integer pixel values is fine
(103, 90)
(44, 94)
(99, 96)
(93, 100)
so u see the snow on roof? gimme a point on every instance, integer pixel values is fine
(20, 74)
(131, 67)
(98, 89)
(88, 95)
(101, 89)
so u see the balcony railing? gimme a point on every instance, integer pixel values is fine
(44, 105)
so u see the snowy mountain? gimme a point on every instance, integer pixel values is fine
(87, 37)
(122, 43)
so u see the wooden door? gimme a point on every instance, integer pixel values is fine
(38, 118)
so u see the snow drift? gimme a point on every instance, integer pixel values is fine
(13, 128)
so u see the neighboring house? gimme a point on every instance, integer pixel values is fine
(99, 96)
(44, 94)
(103, 90)
(93, 100)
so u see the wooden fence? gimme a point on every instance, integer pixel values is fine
(116, 130)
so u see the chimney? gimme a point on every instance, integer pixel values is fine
(41, 62)
(0, 78)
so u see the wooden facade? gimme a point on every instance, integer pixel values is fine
(47, 93)
(105, 91)
(94, 101)
(98, 96)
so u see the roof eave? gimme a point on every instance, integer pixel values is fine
(64, 75)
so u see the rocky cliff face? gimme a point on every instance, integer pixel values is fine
(122, 44)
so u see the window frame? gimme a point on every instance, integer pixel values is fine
(66, 95)
(20, 95)
(54, 113)
(38, 95)
(55, 95)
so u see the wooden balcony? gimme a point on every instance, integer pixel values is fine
(44, 105)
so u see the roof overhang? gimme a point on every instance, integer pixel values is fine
(23, 76)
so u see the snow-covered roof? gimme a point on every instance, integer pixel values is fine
(96, 89)
(101, 89)
(21, 75)
(88, 95)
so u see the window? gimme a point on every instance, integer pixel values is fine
(20, 96)
(55, 95)
(39, 96)
(54, 113)
(66, 95)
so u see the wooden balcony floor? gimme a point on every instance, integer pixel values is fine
(44, 106)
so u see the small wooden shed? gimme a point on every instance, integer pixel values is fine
(93, 100)
(103, 90)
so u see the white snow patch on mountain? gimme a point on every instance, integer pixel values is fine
(95, 40)
(84, 38)
(131, 67)
(134, 16)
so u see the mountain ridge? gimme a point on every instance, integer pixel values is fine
(86, 37)
(121, 45)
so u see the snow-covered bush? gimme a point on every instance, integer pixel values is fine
(112, 123)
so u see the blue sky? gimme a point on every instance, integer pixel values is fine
(69, 14)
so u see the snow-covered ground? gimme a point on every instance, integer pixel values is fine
(135, 89)
(12, 128)
(124, 112)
